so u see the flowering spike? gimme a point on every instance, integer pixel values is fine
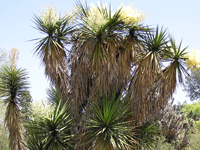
(49, 15)
(131, 15)
(193, 60)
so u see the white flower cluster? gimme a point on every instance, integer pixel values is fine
(49, 15)
(193, 60)
(131, 15)
(41, 109)
(96, 18)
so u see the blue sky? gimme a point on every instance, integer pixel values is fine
(180, 17)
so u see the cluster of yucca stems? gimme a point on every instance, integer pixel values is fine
(113, 74)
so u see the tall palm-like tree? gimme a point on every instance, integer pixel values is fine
(13, 83)
(94, 54)
(145, 73)
(176, 56)
(103, 52)
(110, 52)
(51, 48)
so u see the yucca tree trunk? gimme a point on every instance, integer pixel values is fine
(15, 126)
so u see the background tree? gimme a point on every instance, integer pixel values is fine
(178, 107)
(4, 141)
(25, 102)
(194, 107)
(192, 85)
(2, 62)
(194, 111)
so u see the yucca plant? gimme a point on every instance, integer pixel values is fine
(93, 56)
(51, 48)
(147, 135)
(34, 142)
(145, 74)
(53, 132)
(110, 51)
(107, 127)
(13, 84)
(54, 96)
(176, 55)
